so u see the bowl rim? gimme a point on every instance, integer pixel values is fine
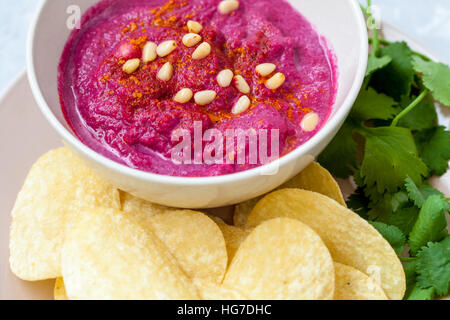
(331, 125)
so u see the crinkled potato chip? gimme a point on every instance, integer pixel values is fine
(107, 255)
(195, 241)
(282, 259)
(60, 291)
(313, 178)
(219, 292)
(131, 203)
(352, 284)
(317, 179)
(57, 184)
(234, 236)
(351, 240)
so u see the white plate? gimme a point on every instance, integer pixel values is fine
(25, 135)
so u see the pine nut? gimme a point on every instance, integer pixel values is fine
(203, 98)
(165, 48)
(191, 39)
(225, 77)
(276, 81)
(183, 96)
(131, 65)
(310, 121)
(265, 69)
(228, 6)
(202, 51)
(149, 52)
(166, 72)
(241, 84)
(241, 105)
(194, 26)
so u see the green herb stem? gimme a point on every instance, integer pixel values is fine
(424, 57)
(363, 9)
(375, 43)
(375, 40)
(410, 107)
(405, 259)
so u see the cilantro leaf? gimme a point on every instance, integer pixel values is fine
(359, 203)
(427, 190)
(430, 224)
(390, 156)
(396, 79)
(446, 242)
(381, 209)
(420, 194)
(436, 78)
(373, 105)
(392, 234)
(418, 293)
(414, 193)
(422, 117)
(404, 218)
(399, 200)
(383, 206)
(340, 155)
(434, 149)
(433, 268)
(375, 63)
(410, 273)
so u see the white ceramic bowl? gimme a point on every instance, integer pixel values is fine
(340, 22)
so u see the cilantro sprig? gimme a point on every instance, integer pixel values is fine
(392, 144)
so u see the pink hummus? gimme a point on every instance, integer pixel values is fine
(131, 118)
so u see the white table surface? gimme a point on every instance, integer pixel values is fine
(428, 21)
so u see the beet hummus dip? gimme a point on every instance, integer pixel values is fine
(138, 71)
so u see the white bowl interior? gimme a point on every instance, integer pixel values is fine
(339, 22)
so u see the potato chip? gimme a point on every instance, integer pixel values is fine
(60, 290)
(352, 284)
(219, 292)
(351, 240)
(131, 203)
(234, 236)
(282, 259)
(57, 184)
(107, 255)
(313, 178)
(195, 241)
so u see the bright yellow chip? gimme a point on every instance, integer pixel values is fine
(57, 184)
(219, 292)
(316, 178)
(107, 255)
(351, 240)
(282, 259)
(60, 291)
(234, 236)
(352, 284)
(131, 203)
(195, 241)
(313, 178)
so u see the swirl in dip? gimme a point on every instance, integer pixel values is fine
(120, 80)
